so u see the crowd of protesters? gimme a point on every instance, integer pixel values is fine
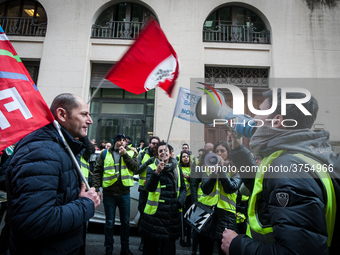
(254, 213)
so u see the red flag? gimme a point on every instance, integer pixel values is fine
(22, 108)
(151, 61)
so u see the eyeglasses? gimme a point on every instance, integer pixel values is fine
(154, 143)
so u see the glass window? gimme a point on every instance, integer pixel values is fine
(95, 107)
(134, 96)
(31, 13)
(137, 13)
(123, 20)
(109, 127)
(97, 93)
(150, 94)
(2, 10)
(105, 16)
(148, 128)
(121, 16)
(29, 10)
(122, 108)
(235, 24)
(93, 127)
(13, 9)
(225, 15)
(112, 93)
(149, 109)
(41, 15)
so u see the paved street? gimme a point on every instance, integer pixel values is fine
(95, 242)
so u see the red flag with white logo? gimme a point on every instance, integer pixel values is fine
(22, 108)
(151, 61)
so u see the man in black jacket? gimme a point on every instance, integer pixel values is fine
(114, 171)
(47, 203)
(292, 208)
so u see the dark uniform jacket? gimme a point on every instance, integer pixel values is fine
(299, 227)
(45, 213)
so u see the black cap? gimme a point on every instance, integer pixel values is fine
(118, 137)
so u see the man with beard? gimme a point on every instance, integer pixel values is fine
(145, 158)
(292, 208)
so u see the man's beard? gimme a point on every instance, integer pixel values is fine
(152, 151)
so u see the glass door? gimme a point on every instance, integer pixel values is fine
(133, 127)
(110, 125)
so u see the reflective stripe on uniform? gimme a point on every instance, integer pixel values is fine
(153, 197)
(265, 234)
(84, 166)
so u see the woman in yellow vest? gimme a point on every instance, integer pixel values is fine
(218, 190)
(161, 222)
(185, 165)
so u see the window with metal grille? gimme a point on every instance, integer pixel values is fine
(242, 77)
(121, 21)
(23, 17)
(33, 69)
(235, 24)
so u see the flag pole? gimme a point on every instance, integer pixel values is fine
(98, 87)
(57, 126)
(172, 121)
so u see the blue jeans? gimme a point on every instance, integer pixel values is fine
(110, 204)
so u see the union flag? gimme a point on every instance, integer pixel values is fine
(22, 108)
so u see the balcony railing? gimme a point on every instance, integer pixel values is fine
(235, 33)
(22, 26)
(117, 30)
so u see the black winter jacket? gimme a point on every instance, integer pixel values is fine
(299, 227)
(222, 218)
(45, 213)
(165, 223)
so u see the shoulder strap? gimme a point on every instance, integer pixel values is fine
(104, 155)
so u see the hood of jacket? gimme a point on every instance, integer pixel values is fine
(315, 143)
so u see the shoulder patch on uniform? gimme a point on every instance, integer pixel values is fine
(282, 198)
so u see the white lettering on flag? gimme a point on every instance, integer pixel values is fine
(186, 104)
(16, 104)
(162, 71)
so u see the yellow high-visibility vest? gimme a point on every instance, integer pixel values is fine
(153, 197)
(227, 201)
(110, 174)
(85, 168)
(265, 234)
(187, 171)
(142, 176)
(212, 198)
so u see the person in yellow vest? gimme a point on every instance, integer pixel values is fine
(114, 171)
(160, 223)
(128, 141)
(145, 158)
(292, 206)
(185, 148)
(185, 166)
(218, 191)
